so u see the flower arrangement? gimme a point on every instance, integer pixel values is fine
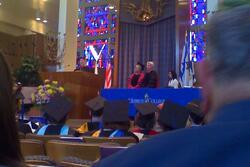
(46, 91)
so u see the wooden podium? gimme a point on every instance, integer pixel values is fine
(79, 87)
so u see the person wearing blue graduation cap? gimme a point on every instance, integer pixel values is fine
(56, 112)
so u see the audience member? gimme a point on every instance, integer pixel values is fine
(151, 77)
(56, 113)
(10, 153)
(224, 140)
(96, 106)
(115, 120)
(136, 79)
(26, 126)
(173, 82)
(173, 116)
(195, 112)
(145, 119)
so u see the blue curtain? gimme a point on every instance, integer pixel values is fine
(141, 43)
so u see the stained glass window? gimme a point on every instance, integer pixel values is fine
(90, 1)
(113, 25)
(96, 20)
(96, 33)
(198, 14)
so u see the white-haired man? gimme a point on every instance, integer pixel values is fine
(151, 77)
(225, 77)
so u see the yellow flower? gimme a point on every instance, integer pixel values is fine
(48, 86)
(46, 81)
(50, 91)
(61, 89)
(40, 92)
(33, 98)
(40, 87)
(43, 95)
(55, 82)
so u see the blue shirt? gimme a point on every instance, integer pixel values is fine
(223, 142)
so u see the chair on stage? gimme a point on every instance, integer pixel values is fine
(123, 141)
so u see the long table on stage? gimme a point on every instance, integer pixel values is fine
(156, 96)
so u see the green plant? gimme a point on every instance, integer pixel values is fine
(28, 73)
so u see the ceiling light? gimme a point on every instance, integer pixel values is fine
(38, 15)
(45, 21)
(116, 10)
(111, 7)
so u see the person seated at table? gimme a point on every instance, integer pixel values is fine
(151, 76)
(115, 120)
(56, 112)
(136, 79)
(196, 114)
(173, 82)
(95, 106)
(173, 116)
(145, 119)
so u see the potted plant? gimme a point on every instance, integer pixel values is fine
(28, 72)
(27, 75)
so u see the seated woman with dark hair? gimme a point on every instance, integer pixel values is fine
(145, 119)
(173, 81)
(10, 152)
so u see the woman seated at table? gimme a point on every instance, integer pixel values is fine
(173, 82)
(136, 79)
(145, 119)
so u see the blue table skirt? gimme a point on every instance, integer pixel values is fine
(156, 96)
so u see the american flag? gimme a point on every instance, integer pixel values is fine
(108, 77)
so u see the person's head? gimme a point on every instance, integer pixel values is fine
(150, 66)
(57, 110)
(172, 75)
(195, 112)
(139, 68)
(9, 143)
(224, 74)
(115, 115)
(96, 107)
(145, 122)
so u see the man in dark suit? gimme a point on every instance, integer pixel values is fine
(151, 76)
(225, 139)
